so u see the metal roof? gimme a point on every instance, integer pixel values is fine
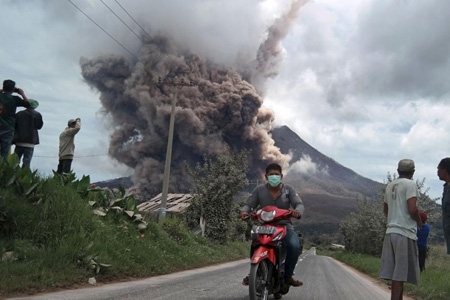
(176, 203)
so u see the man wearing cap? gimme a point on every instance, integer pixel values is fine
(444, 175)
(67, 145)
(28, 122)
(8, 106)
(399, 258)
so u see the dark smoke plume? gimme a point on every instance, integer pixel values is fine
(221, 110)
(271, 53)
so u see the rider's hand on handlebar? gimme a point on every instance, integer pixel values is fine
(295, 214)
(244, 215)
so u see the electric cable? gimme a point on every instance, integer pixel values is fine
(102, 29)
(123, 22)
(148, 35)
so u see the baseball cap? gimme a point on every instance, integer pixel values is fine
(71, 121)
(423, 216)
(33, 103)
(406, 165)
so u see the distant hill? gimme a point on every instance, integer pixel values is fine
(124, 182)
(328, 189)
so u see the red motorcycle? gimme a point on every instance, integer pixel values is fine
(268, 256)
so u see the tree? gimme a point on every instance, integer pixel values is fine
(364, 229)
(217, 182)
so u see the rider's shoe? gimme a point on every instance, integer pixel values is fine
(245, 280)
(291, 281)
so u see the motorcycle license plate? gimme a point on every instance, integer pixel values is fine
(264, 229)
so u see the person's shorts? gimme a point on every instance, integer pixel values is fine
(399, 259)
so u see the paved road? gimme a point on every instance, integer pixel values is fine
(323, 277)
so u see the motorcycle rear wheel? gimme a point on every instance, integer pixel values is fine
(259, 274)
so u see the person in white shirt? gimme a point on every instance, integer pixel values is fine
(399, 258)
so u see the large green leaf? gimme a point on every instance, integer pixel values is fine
(30, 189)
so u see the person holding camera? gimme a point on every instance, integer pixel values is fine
(67, 145)
(8, 106)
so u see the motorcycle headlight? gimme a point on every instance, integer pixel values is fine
(267, 216)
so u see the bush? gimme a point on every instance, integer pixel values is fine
(364, 229)
(177, 231)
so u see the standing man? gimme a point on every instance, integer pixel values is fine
(8, 106)
(399, 257)
(444, 175)
(28, 122)
(422, 240)
(282, 196)
(67, 145)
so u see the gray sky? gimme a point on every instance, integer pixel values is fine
(363, 81)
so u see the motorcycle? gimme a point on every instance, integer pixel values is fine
(268, 256)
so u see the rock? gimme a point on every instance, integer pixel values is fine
(9, 256)
(92, 281)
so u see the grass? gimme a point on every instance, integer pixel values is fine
(58, 242)
(433, 282)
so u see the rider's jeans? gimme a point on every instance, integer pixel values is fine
(292, 244)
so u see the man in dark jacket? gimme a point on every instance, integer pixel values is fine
(28, 122)
(8, 106)
(444, 175)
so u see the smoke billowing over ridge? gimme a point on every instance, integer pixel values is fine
(221, 110)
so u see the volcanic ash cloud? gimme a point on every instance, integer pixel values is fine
(220, 110)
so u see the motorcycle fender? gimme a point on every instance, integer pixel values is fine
(263, 253)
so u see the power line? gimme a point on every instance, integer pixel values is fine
(102, 28)
(148, 35)
(123, 22)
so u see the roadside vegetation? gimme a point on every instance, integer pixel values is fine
(433, 282)
(363, 233)
(56, 232)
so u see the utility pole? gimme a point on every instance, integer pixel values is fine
(165, 189)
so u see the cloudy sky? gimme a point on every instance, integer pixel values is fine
(363, 81)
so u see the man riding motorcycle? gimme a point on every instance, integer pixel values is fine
(282, 196)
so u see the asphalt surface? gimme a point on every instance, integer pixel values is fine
(323, 278)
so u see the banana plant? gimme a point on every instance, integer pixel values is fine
(117, 204)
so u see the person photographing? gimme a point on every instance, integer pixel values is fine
(67, 145)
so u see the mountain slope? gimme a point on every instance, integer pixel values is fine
(329, 190)
(329, 174)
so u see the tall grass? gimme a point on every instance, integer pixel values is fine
(59, 241)
(433, 282)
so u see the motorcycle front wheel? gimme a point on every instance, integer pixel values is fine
(259, 274)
